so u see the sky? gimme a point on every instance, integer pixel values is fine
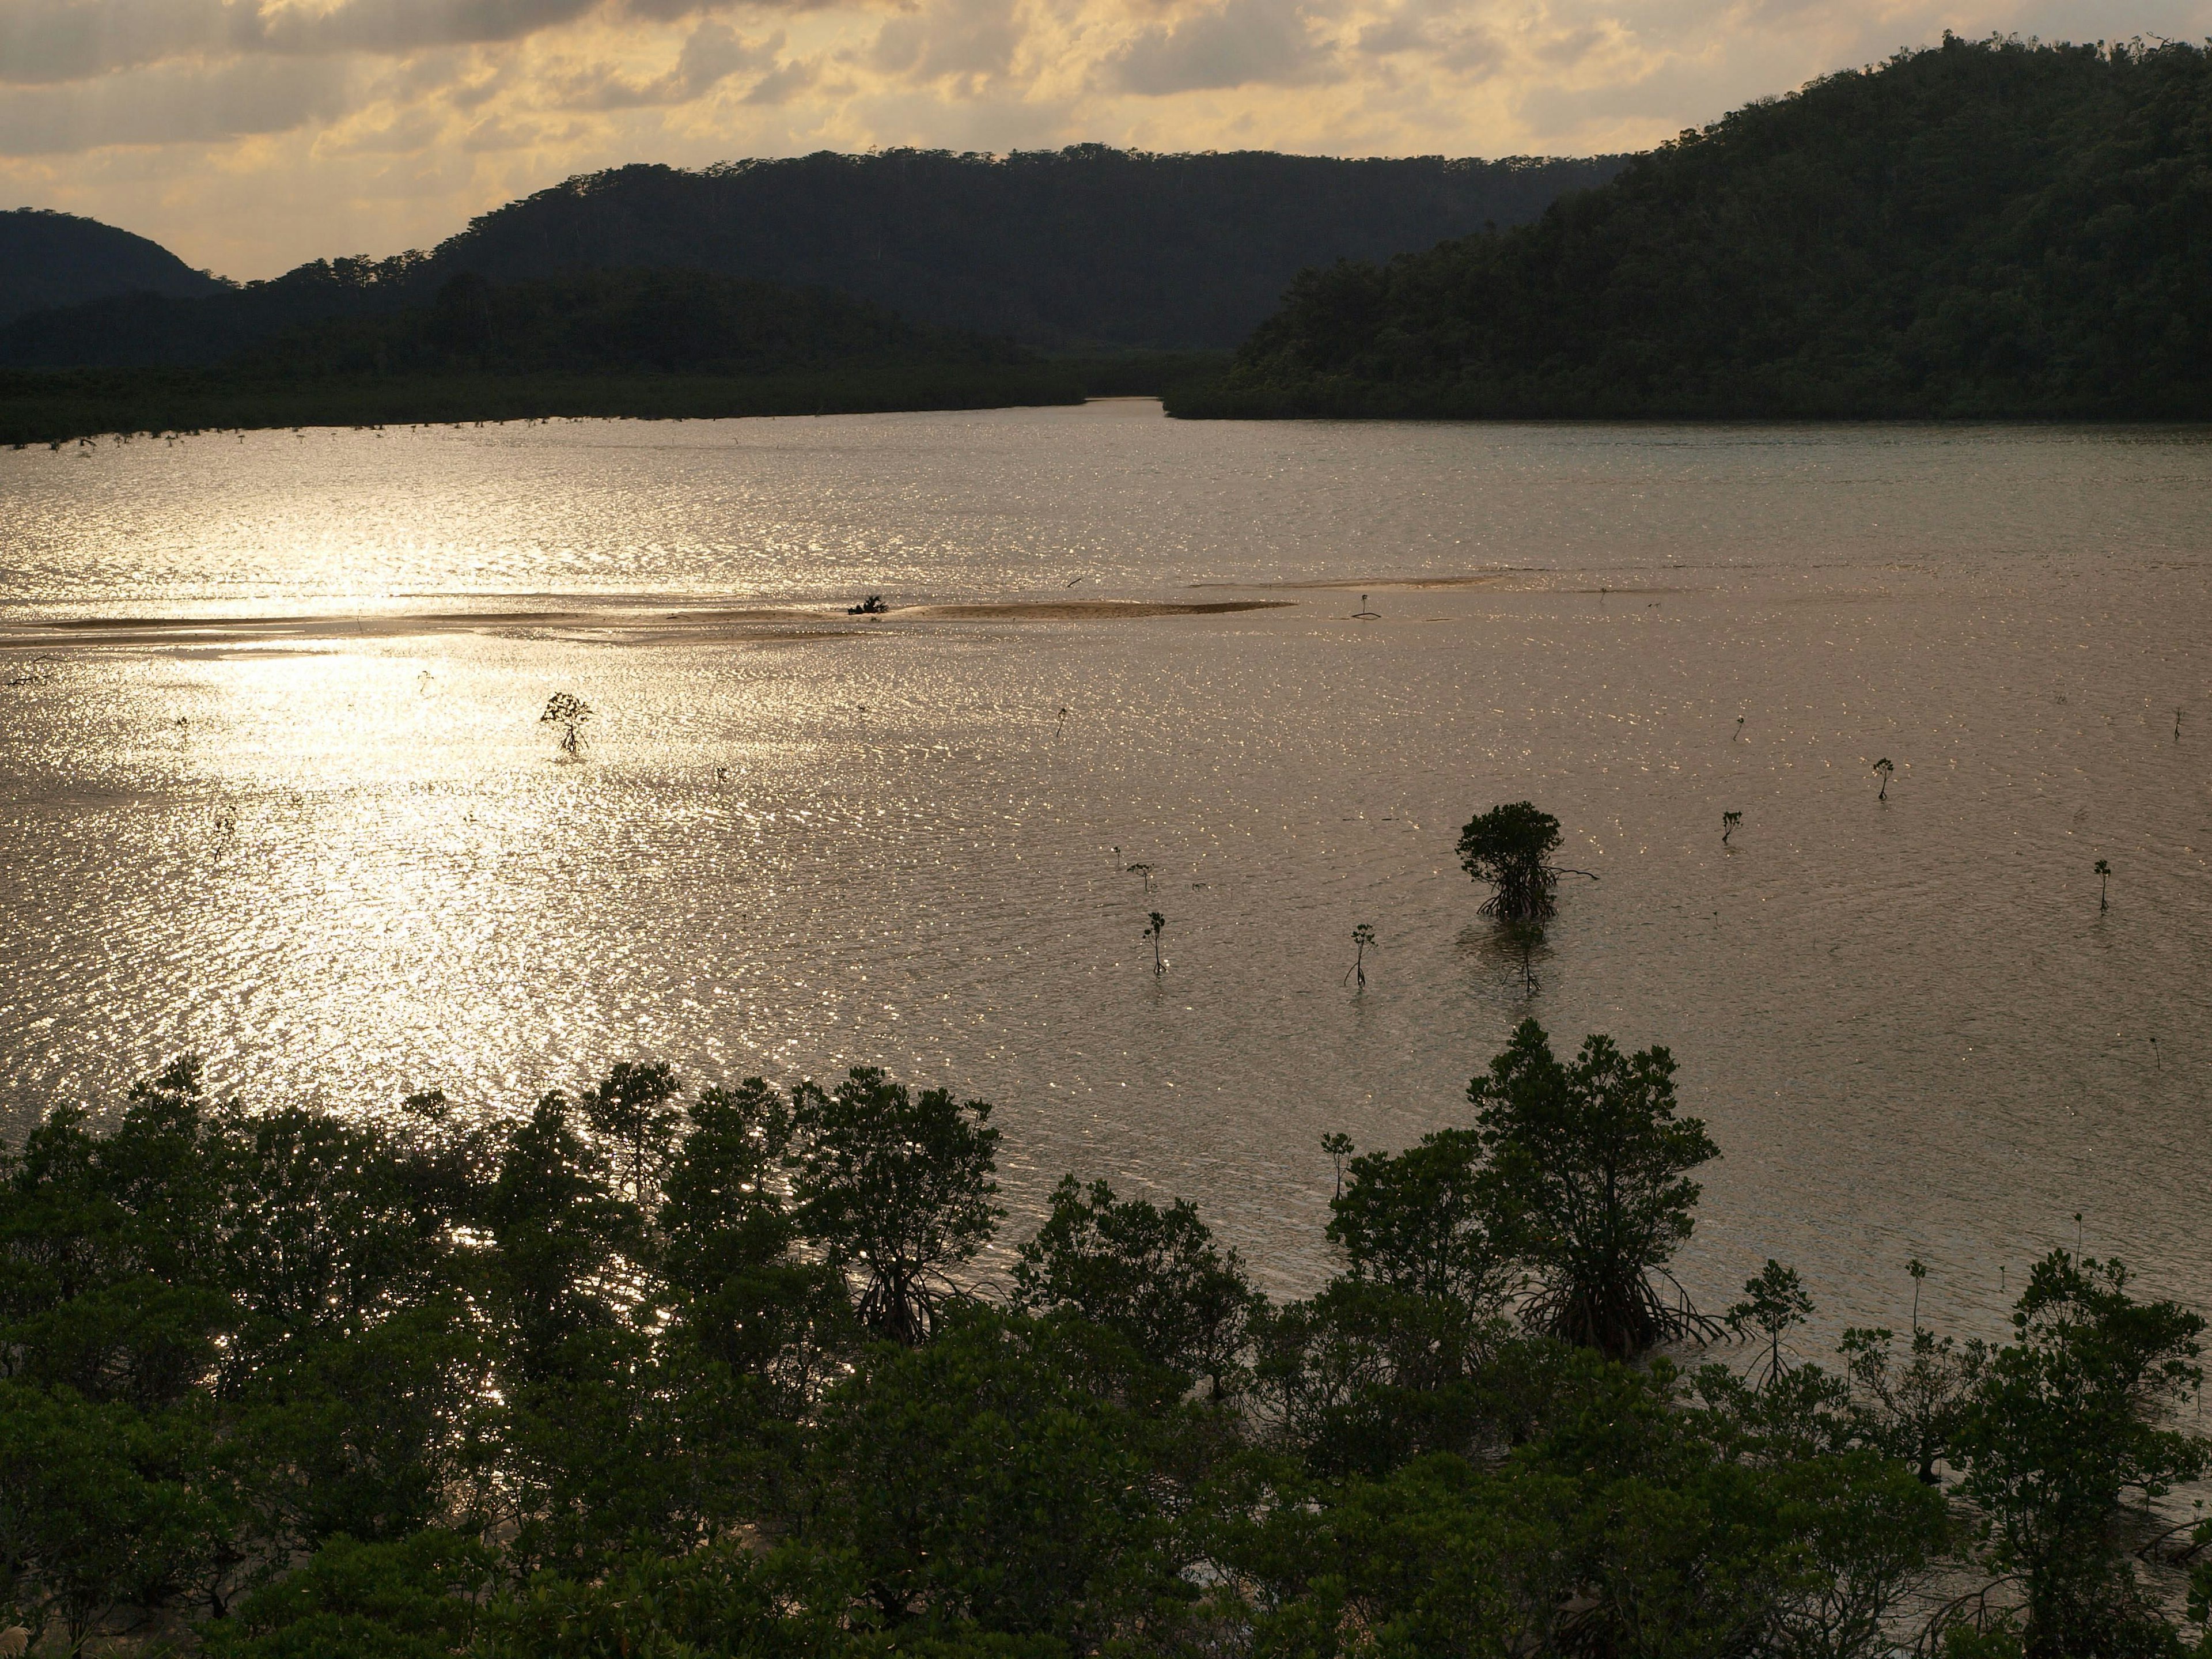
(249, 135)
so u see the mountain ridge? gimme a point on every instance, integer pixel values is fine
(1083, 248)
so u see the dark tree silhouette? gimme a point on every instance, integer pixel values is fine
(1511, 848)
(1154, 1276)
(566, 712)
(632, 1110)
(895, 1188)
(1589, 1180)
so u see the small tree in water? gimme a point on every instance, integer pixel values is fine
(1362, 937)
(566, 712)
(1882, 769)
(1589, 1181)
(1159, 926)
(1728, 822)
(1773, 1302)
(2104, 875)
(1511, 848)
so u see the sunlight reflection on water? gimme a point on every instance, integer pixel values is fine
(351, 865)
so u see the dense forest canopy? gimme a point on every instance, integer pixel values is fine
(1080, 248)
(633, 1375)
(49, 258)
(1990, 228)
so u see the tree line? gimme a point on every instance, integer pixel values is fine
(1983, 228)
(631, 1374)
(653, 343)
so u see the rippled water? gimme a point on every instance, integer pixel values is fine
(345, 861)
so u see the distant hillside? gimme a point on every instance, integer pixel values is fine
(142, 330)
(1979, 229)
(624, 322)
(1084, 248)
(1079, 247)
(49, 258)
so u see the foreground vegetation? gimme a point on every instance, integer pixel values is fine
(623, 1377)
(1980, 229)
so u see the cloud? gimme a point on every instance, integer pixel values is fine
(48, 41)
(1443, 30)
(1241, 43)
(173, 104)
(711, 55)
(397, 26)
(783, 83)
(53, 40)
(967, 41)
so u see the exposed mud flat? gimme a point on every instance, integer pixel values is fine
(705, 626)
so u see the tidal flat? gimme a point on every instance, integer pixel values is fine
(273, 788)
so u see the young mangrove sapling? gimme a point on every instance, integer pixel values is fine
(1362, 937)
(1774, 1301)
(1338, 1147)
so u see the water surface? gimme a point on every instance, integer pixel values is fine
(344, 861)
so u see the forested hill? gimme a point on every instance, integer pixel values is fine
(49, 258)
(1991, 229)
(1083, 247)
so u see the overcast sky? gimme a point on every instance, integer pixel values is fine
(250, 135)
